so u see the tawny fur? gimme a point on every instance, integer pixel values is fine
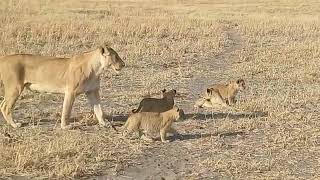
(157, 105)
(221, 94)
(152, 122)
(69, 76)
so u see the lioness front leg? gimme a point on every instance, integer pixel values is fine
(95, 101)
(67, 107)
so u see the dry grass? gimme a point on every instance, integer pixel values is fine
(273, 45)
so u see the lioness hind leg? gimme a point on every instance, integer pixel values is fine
(10, 98)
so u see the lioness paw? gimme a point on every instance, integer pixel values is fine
(16, 125)
(165, 141)
(102, 124)
(146, 138)
(66, 127)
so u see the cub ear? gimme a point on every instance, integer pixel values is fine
(178, 109)
(104, 50)
(208, 90)
(175, 91)
(164, 90)
(240, 81)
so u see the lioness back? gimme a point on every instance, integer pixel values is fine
(41, 73)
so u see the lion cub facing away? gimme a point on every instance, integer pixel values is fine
(222, 94)
(157, 105)
(152, 122)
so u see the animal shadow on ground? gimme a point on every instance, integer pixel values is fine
(185, 137)
(215, 115)
(120, 117)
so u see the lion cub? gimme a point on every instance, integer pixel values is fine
(222, 94)
(157, 105)
(152, 122)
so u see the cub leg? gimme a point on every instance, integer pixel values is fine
(163, 135)
(144, 135)
(173, 131)
(199, 103)
(231, 100)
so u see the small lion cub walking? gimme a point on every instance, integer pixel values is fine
(221, 94)
(152, 122)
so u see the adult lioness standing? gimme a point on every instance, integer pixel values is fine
(70, 76)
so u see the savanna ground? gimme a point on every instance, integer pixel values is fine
(273, 133)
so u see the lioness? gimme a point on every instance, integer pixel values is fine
(157, 105)
(151, 122)
(70, 76)
(221, 94)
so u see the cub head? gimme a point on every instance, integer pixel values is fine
(211, 91)
(169, 94)
(240, 84)
(111, 58)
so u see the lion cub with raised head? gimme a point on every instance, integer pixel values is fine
(152, 122)
(157, 105)
(221, 94)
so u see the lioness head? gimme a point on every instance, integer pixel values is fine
(169, 94)
(112, 58)
(240, 84)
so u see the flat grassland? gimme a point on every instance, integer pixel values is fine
(273, 133)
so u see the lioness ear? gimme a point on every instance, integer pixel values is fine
(208, 90)
(164, 90)
(175, 91)
(178, 109)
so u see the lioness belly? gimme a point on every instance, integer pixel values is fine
(46, 88)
